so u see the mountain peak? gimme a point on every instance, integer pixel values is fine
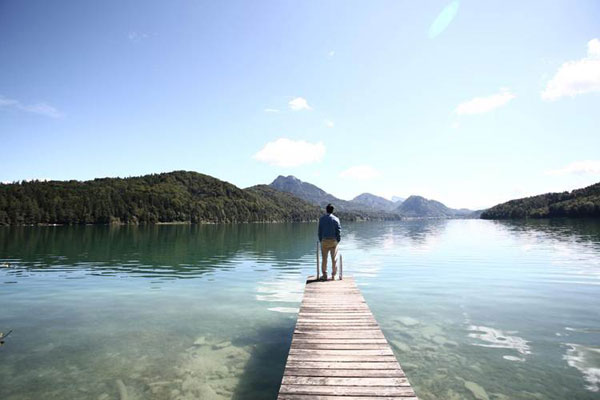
(414, 197)
(304, 190)
(373, 202)
(286, 181)
(419, 206)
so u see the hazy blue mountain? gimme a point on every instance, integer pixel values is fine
(371, 202)
(475, 214)
(577, 203)
(367, 205)
(417, 206)
(420, 207)
(397, 199)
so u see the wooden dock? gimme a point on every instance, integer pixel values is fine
(338, 351)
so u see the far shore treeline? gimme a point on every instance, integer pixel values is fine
(577, 203)
(180, 196)
(174, 197)
(191, 197)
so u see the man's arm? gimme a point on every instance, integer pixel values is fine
(338, 231)
(320, 231)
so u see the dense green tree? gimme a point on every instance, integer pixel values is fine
(577, 203)
(178, 196)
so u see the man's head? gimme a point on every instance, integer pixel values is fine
(329, 208)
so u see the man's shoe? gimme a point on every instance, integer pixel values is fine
(333, 277)
(324, 277)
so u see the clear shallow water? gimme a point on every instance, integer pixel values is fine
(473, 309)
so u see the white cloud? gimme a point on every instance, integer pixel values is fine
(42, 109)
(480, 105)
(587, 167)
(137, 36)
(360, 172)
(285, 152)
(576, 77)
(329, 123)
(299, 104)
(271, 110)
(37, 108)
(4, 102)
(26, 180)
(594, 48)
(36, 179)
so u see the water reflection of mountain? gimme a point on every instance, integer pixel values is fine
(418, 232)
(175, 250)
(281, 242)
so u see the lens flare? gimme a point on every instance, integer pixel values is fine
(443, 19)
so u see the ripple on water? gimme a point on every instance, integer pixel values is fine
(498, 339)
(290, 310)
(280, 291)
(587, 361)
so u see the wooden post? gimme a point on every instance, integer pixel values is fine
(317, 260)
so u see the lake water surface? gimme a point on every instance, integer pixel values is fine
(473, 309)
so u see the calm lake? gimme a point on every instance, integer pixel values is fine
(473, 309)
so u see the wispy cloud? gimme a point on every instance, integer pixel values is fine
(329, 123)
(331, 54)
(271, 110)
(360, 172)
(576, 77)
(42, 108)
(586, 167)
(135, 37)
(479, 105)
(285, 152)
(299, 104)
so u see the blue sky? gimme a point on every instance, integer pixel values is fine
(467, 102)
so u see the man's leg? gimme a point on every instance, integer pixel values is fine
(333, 260)
(324, 258)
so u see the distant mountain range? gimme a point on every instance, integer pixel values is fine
(191, 197)
(371, 206)
(577, 203)
(348, 210)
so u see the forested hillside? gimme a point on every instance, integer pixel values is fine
(179, 196)
(577, 203)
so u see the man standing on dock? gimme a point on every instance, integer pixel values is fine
(330, 234)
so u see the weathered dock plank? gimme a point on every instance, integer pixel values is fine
(338, 351)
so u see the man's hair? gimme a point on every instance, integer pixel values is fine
(329, 208)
